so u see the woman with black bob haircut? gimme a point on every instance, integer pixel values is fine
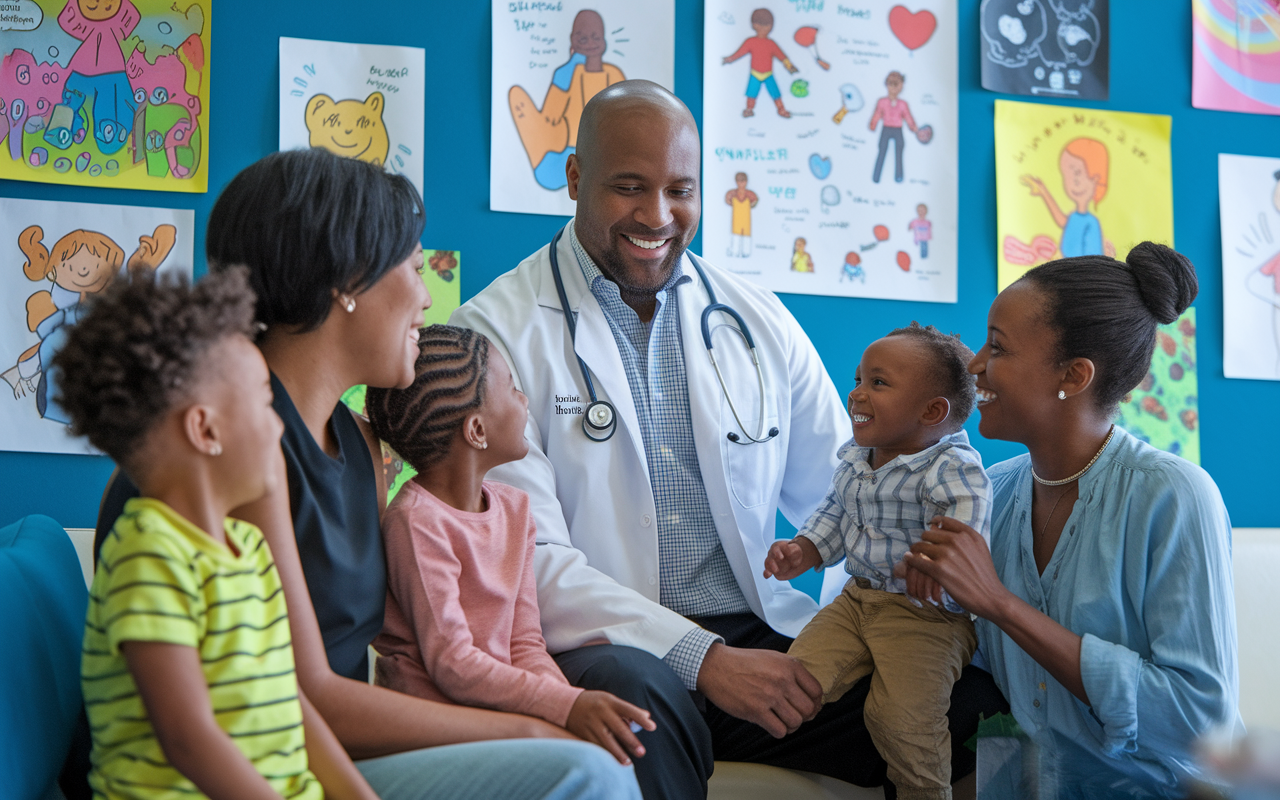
(1105, 603)
(332, 249)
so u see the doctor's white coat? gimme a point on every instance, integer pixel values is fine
(597, 556)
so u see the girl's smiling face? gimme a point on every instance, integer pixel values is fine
(1017, 376)
(83, 272)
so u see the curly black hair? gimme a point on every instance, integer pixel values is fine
(138, 351)
(951, 359)
(419, 422)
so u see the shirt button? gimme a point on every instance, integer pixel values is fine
(652, 580)
(1035, 703)
(645, 520)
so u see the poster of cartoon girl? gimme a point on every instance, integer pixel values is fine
(55, 271)
(1083, 165)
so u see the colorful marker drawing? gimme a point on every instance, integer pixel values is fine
(800, 260)
(913, 29)
(109, 93)
(359, 101)
(1236, 55)
(60, 255)
(807, 36)
(850, 100)
(349, 128)
(893, 113)
(763, 51)
(1084, 168)
(1249, 196)
(921, 229)
(550, 133)
(740, 200)
(853, 268)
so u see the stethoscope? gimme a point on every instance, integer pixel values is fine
(600, 421)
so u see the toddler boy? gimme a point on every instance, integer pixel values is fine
(909, 461)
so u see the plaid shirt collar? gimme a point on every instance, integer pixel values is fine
(860, 457)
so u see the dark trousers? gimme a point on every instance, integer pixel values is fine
(886, 134)
(692, 733)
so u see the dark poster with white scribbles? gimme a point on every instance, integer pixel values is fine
(1046, 48)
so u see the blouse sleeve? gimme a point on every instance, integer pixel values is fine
(1179, 576)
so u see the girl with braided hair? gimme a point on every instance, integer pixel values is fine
(462, 623)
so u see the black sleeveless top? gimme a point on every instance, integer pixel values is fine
(334, 502)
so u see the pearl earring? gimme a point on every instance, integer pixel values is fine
(1062, 395)
(351, 304)
(215, 449)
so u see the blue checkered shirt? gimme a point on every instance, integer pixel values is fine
(871, 518)
(695, 577)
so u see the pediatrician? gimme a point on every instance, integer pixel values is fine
(655, 472)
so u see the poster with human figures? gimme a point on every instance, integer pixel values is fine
(57, 256)
(549, 60)
(830, 146)
(105, 93)
(362, 101)
(1249, 194)
(1047, 48)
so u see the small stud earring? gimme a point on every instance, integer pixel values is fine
(1062, 395)
(351, 304)
(215, 449)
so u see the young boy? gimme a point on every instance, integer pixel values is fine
(763, 51)
(909, 461)
(187, 664)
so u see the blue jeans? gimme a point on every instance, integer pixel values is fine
(511, 769)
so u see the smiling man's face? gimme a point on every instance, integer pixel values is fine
(639, 202)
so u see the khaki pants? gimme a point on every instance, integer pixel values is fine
(914, 656)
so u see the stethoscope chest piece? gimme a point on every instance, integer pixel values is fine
(600, 422)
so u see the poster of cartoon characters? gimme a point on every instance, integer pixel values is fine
(1078, 181)
(56, 257)
(1049, 48)
(105, 93)
(830, 146)
(549, 59)
(1249, 196)
(362, 101)
(443, 279)
(1235, 55)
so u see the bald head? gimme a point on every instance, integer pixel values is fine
(624, 102)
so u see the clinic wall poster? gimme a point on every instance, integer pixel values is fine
(830, 147)
(1079, 181)
(442, 275)
(549, 59)
(58, 256)
(1235, 62)
(360, 101)
(1249, 195)
(1048, 48)
(107, 93)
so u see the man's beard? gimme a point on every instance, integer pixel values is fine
(616, 270)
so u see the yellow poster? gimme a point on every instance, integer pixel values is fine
(110, 93)
(1076, 181)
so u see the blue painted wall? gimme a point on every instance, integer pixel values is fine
(1151, 72)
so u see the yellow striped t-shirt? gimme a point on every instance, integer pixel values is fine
(162, 579)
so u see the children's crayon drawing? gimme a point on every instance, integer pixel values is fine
(1050, 48)
(1236, 55)
(549, 60)
(1249, 195)
(109, 93)
(826, 130)
(362, 101)
(443, 279)
(1164, 410)
(56, 257)
(1078, 181)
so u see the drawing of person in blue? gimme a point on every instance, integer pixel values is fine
(1084, 165)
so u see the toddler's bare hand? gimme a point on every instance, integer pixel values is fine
(787, 560)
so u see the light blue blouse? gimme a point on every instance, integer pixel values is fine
(1142, 573)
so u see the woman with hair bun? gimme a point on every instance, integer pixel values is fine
(1105, 602)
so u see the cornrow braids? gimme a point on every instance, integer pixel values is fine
(951, 359)
(419, 422)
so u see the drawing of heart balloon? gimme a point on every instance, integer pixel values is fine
(807, 36)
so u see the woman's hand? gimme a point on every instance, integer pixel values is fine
(603, 719)
(956, 557)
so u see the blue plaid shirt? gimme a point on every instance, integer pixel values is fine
(696, 579)
(871, 518)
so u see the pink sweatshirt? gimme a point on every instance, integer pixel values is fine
(894, 113)
(100, 53)
(462, 621)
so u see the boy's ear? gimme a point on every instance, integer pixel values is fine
(201, 430)
(936, 412)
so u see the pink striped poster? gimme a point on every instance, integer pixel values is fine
(1236, 55)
